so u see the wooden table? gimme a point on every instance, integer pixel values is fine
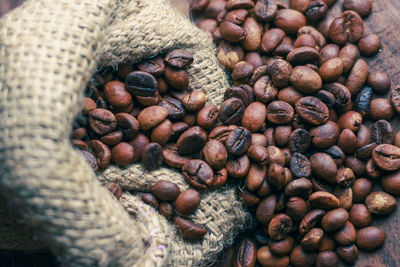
(385, 21)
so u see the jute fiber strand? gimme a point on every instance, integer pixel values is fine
(48, 51)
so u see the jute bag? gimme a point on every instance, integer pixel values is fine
(48, 51)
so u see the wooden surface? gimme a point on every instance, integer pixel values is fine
(384, 21)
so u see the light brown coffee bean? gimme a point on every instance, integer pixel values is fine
(380, 203)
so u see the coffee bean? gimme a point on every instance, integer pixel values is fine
(380, 203)
(325, 135)
(122, 154)
(279, 227)
(360, 216)
(391, 183)
(238, 167)
(252, 39)
(237, 92)
(231, 111)
(348, 254)
(220, 133)
(150, 199)
(395, 98)
(300, 165)
(362, 7)
(175, 108)
(358, 76)
(116, 95)
(90, 159)
(276, 176)
(151, 117)
(300, 140)
(379, 82)
(323, 166)
(369, 44)
(265, 10)
(302, 56)
(249, 198)
(282, 247)
(215, 154)
(179, 58)
(207, 116)
(154, 66)
(165, 190)
(347, 28)
(149, 100)
(187, 201)
(350, 120)
(238, 141)
(312, 110)
(316, 11)
(363, 101)
(189, 229)
(254, 116)
(282, 135)
(328, 52)
(310, 220)
(327, 244)
(166, 210)
(331, 69)
(176, 78)
(296, 208)
(229, 54)
(346, 235)
(284, 48)
(271, 39)
(387, 157)
(305, 79)
(254, 59)
(382, 132)
(255, 176)
(349, 55)
(327, 258)
(246, 254)
(280, 112)
(289, 20)
(101, 152)
(115, 189)
(264, 90)
(198, 174)
(102, 121)
(152, 156)
(312, 239)
(342, 96)
(88, 106)
(194, 101)
(280, 71)
(242, 72)
(323, 200)
(268, 259)
(372, 170)
(140, 83)
(381, 109)
(191, 141)
(347, 141)
(300, 5)
(258, 154)
(299, 187)
(128, 125)
(370, 238)
(172, 157)
(301, 258)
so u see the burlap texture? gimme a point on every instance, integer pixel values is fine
(48, 51)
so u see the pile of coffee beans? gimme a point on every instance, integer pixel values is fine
(289, 133)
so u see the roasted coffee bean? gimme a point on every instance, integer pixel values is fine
(138, 144)
(348, 254)
(175, 108)
(395, 98)
(268, 259)
(128, 125)
(336, 153)
(300, 165)
(341, 95)
(112, 138)
(149, 100)
(347, 28)
(370, 238)
(327, 258)
(360, 216)
(265, 10)
(165, 190)
(176, 78)
(154, 66)
(387, 157)
(379, 82)
(381, 109)
(187, 201)
(166, 210)
(220, 133)
(172, 158)
(296, 208)
(249, 198)
(282, 134)
(275, 155)
(326, 97)
(231, 111)
(102, 121)
(189, 229)
(312, 240)
(349, 55)
(380, 203)
(269, 135)
(347, 141)
(365, 152)
(207, 116)
(289, 20)
(310, 220)
(246, 254)
(242, 72)
(323, 200)
(232, 32)
(238, 167)
(115, 189)
(276, 176)
(255, 176)
(391, 183)
(300, 5)
(289, 95)
(358, 76)
(162, 133)
(280, 226)
(237, 92)
(328, 52)
(140, 83)
(284, 48)
(369, 44)
(150, 199)
(215, 154)
(350, 120)
(264, 90)
(334, 219)
(151, 117)
(258, 154)
(280, 112)
(266, 209)
(345, 196)
(254, 116)
(198, 174)
(229, 54)
(258, 139)
(152, 156)
(238, 141)
(316, 11)
(299, 187)
(122, 154)
(280, 71)
(303, 56)
(254, 58)
(194, 101)
(301, 258)
(271, 39)
(356, 164)
(362, 7)
(327, 244)
(363, 101)
(88, 105)
(252, 39)
(179, 58)
(346, 235)
(361, 188)
(312, 110)
(331, 69)
(116, 95)
(191, 141)
(325, 135)
(282, 247)
(91, 159)
(101, 152)
(345, 177)
(324, 167)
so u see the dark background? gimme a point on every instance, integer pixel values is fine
(383, 22)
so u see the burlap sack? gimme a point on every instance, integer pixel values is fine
(48, 51)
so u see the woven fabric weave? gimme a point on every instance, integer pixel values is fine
(48, 51)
